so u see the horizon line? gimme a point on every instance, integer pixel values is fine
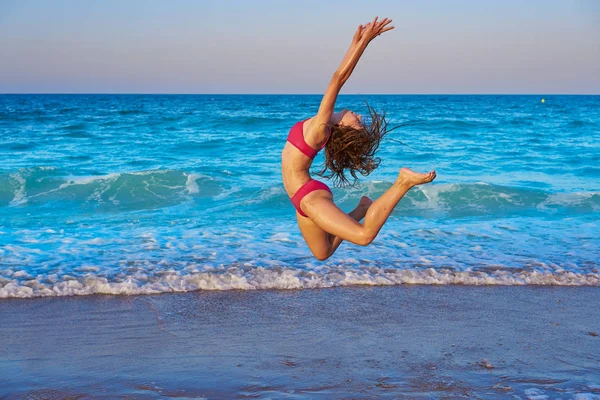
(295, 94)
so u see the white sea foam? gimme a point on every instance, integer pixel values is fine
(586, 396)
(535, 394)
(569, 199)
(247, 277)
(432, 193)
(86, 180)
(191, 185)
(20, 196)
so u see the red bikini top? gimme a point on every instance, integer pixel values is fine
(296, 138)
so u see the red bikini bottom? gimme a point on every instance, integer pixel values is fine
(308, 187)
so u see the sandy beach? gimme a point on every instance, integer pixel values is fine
(363, 342)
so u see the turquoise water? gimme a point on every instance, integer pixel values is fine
(148, 194)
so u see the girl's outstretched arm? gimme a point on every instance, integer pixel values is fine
(363, 36)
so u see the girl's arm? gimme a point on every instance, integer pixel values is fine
(360, 41)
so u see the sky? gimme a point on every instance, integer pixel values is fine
(285, 46)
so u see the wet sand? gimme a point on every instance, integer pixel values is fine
(424, 342)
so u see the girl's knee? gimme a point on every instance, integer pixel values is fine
(323, 256)
(366, 238)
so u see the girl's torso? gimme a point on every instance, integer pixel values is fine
(295, 164)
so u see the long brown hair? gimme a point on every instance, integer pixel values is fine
(353, 149)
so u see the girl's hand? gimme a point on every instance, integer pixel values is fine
(362, 37)
(365, 33)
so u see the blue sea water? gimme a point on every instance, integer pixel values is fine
(140, 194)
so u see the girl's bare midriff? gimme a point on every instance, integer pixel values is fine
(294, 169)
(295, 165)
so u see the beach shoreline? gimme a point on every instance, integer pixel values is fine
(407, 341)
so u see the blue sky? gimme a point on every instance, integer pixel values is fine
(284, 46)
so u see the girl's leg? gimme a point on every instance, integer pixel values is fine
(326, 215)
(357, 214)
(321, 243)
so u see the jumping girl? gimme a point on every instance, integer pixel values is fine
(349, 145)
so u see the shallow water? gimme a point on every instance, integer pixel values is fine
(147, 194)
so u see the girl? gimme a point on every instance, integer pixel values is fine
(349, 145)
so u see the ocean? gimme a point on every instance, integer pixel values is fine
(144, 194)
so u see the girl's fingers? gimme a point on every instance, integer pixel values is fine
(359, 32)
(384, 22)
(376, 27)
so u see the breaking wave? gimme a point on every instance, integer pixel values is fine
(19, 284)
(159, 188)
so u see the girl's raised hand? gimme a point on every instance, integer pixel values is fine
(365, 33)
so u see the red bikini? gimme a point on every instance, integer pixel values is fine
(296, 138)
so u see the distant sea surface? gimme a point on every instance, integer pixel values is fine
(141, 194)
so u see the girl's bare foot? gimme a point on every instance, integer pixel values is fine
(365, 202)
(361, 209)
(412, 178)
